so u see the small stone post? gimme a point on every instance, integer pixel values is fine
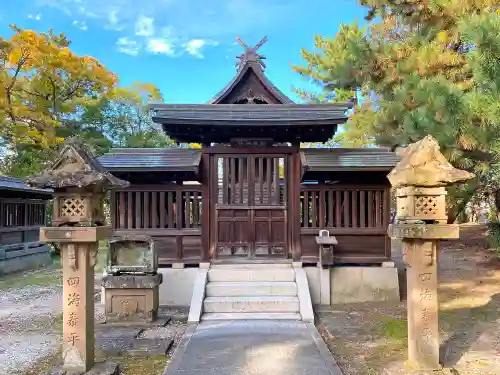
(79, 183)
(420, 179)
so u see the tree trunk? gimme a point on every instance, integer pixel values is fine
(497, 203)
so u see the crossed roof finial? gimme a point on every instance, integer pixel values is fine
(250, 55)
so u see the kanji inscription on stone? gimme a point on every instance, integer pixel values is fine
(73, 299)
(72, 319)
(425, 276)
(73, 281)
(73, 338)
(426, 295)
(426, 315)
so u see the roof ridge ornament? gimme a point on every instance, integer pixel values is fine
(250, 55)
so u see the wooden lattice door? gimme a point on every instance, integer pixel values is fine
(250, 206)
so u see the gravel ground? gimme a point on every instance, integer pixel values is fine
(30, 324)
(370, 339)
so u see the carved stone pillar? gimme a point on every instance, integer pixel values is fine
(420, 178)
(79, 182)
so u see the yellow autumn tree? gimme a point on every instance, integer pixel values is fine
(42, 84)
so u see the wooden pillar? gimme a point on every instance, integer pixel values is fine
(294, 202)
(206, 204)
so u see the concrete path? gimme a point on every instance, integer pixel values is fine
(252, 348)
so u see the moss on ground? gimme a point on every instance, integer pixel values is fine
(51, 275)
(154, 365)
(393, 329)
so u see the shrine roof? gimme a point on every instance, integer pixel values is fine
(17, 184)
(348, 159)
(250, 114)
(151, 159)
(251, 63)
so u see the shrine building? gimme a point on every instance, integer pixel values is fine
(252, 198)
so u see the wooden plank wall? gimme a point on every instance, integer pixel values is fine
(356, 215)
(172, 214)
(20, 220)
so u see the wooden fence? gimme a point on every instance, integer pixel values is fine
(20, 220)
(356, 216)
(169, 213)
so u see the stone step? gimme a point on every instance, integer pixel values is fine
(250, 316)
(282, 304)
(251, 265)
(257, 274)
(250, 288)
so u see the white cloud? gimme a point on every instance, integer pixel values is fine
(128, 46)
(36, 17)
(190, 18)
(82, 25)
(113, 20)
(144, 26)
(161, 46)
(195, 47)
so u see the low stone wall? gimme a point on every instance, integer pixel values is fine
(339, 285)
(24, 256)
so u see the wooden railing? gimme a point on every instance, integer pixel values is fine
(356, 215)
(324, 206)
(171, 214)
(169, 207)
(20, 220)
(21, 212)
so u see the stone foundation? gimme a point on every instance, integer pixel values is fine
(131, 298)
(339, 285)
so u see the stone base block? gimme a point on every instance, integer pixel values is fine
(364, 284)
(131, 298)
(103, 368)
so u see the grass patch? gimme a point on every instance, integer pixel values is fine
(154, 365)
(395, 329)
(42, 277)
(101, 259)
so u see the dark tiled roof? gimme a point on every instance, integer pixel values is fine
(348, 159)
(12, 183)
(159, 159)
(250, 67)
(250, 114)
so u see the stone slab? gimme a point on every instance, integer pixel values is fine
(102, 368)
(251, 304)
(252, 347)
(265, 274)
(251, 316)
(424, 231)
(256, 288)
(198, 296)
(177, 287)
(364, 284)
(127, 341)
(305, 303)
(131, 281)
(159, 322)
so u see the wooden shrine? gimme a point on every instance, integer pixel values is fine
(251, 192)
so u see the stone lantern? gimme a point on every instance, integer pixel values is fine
(420, 179)
(132, 281)
(79, 183)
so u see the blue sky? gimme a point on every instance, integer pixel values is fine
(186, 47)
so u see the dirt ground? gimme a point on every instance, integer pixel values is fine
(371, 339)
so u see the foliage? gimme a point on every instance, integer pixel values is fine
(42, 84)
(494, 236)
(422, 67)
(48, 93)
